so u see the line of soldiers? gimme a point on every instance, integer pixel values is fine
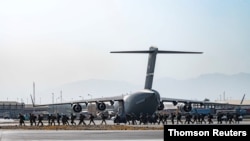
(228, 118)
(157, 118)
(32, 119)
(177, 118)
(60, 119)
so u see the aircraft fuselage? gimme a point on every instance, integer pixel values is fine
(145, 101)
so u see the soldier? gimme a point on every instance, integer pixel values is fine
(219, 118)
(128, 118)
(58, 117)
(179, 118)
(196, 118)
(142, 118)
(81, 119)
(91, 119)
(155, 118)
(65, 119)
(148, 119)
(172, 116)
(133, 118)
(230, 117)
(72, 118)
(165, 118)
(21, 119)
(53, 117)
(31, 119)
(238, 117)
(103, 118)
(40, 120)
(203, 118)
(188, 118)
(117, 119)
(160, 117)
(34, 119)
(49, 119)
(209, 118)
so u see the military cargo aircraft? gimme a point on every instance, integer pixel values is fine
(145, 101)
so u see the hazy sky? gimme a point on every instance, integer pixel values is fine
(52, 42)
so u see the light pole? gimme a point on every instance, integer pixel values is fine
(56, 105)
(53, 102)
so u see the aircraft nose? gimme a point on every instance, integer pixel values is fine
(154, 96)
(158, 99)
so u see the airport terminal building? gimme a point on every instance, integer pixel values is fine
(10, 109)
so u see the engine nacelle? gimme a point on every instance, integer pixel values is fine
(101, 106)
(161, 106)
(77, 108)
(186, 108)
(175, 103)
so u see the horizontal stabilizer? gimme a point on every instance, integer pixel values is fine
(159, 51)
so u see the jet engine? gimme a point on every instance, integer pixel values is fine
(101, 106)
(186, 108)
(77, 108)
(175, 103)
(161, 106)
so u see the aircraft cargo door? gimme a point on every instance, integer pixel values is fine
(120, 111)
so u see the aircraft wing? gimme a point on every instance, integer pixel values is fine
(103, 99)
(175, 101)
(93, 100)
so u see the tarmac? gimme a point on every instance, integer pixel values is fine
(80, 135)
(11, 131)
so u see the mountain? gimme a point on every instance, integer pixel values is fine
(214, 86)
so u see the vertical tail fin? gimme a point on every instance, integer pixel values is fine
(151, 62)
